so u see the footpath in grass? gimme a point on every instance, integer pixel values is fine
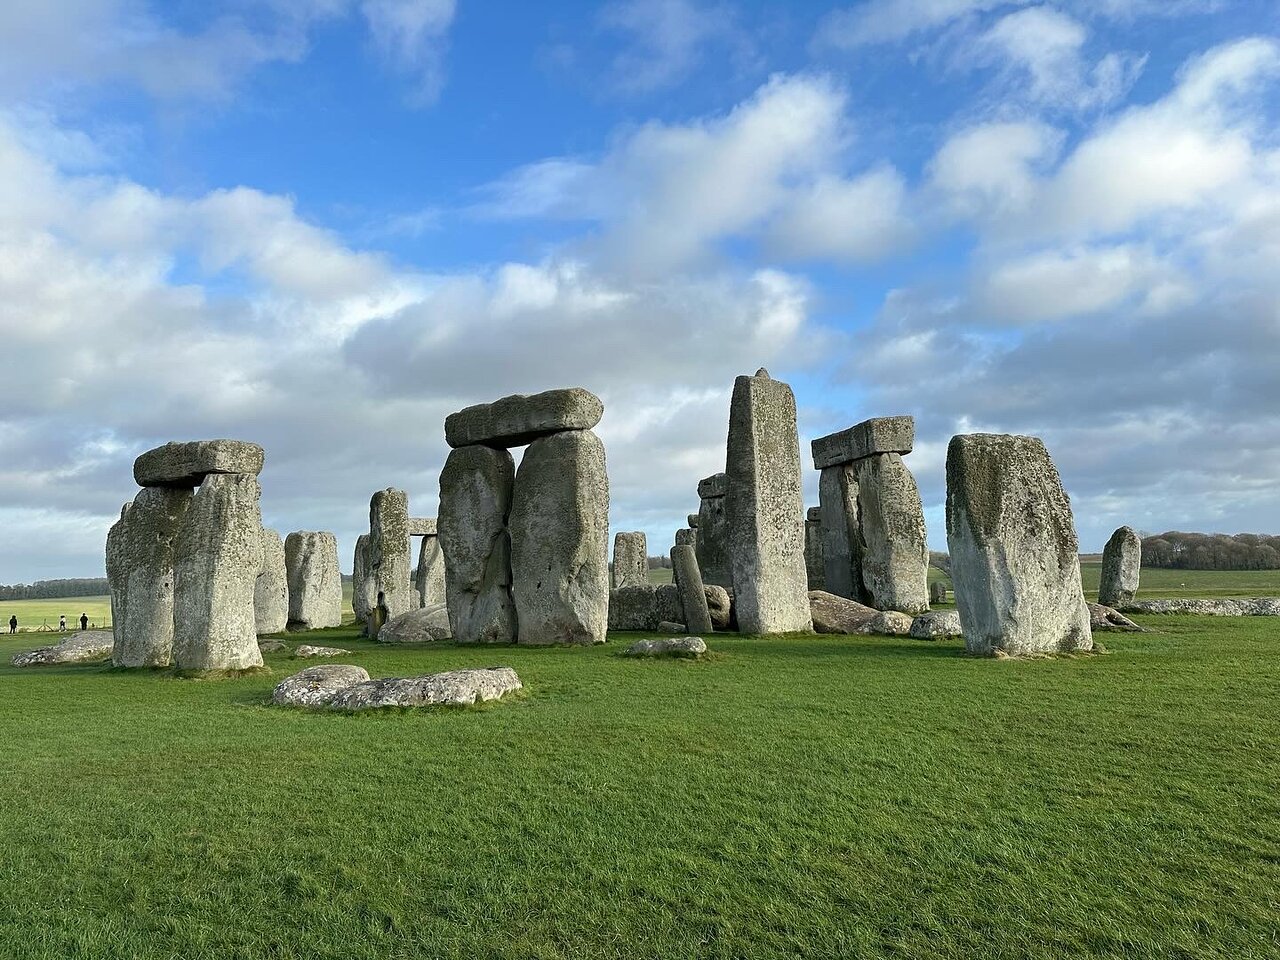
(805, 796)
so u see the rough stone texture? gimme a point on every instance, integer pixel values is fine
(630, 559)
(765, 508)
(88, 647)
(271, 589)
(644, 606)
(687, 536)
(217, 556)
(689, 648)
(693, 595)
(1102, 617)
(516, 420)
(560, 540)
(832, 614)
(272, 646)
(841, 545)
(363, 593)
(719, 606)
(430, 576)
(891, 535)
(306, 651)
(388, 559)
(145, 554)
(426, 625)
(315, 584)
(1015, 561)
(713, 533)
(475, 501)
(187, 464)
(454, 688)
(866, 439)
(888, 623)
(1238, 607)
(937, 592)
(815, 568)
(714, 486)
(117, 569)
(1121, 568)
(422, 526)
(317, 686)
(692, 520)
(936, 625)
(672, 626)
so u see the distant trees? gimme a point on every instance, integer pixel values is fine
(1211, 551)
(55, 589)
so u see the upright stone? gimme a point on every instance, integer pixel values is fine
(517, 420)
(146, 553)
(475, 501)
(187, 464)
(560, 540)
(630, 559)
(693, 520)
(891, 531)
(430, 578)
(315, 583)
(693, 595)
(1015, 562)
(363, 590)
(841, 544)
(713, 533)
(388, 559)
(218, 553)
(118, 571)
(271, 589)
(687, 535)
(766, 508)
(937, 592)
(813, 563)
(1121, 568)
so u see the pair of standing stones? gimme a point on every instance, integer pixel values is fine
(382, 581)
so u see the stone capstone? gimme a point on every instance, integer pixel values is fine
(88, 647)
(692, 520)
(426, 625)
(517, 420)
(454, 688)
(693, 595)
(714, 486)
(315, 583)
(187, 464)
(317, 686)
(271, 589)
(422, 526)
(644, 606)
(936, 625)
(689, 648)
(866, 439)
(832, 614)
(1121, 568)
(630, 559)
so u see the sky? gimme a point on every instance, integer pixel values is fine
(323, 225)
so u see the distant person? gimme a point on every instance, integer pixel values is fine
(62, 623)
(13, 624)
(84, 622)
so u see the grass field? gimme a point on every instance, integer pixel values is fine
(33, 614)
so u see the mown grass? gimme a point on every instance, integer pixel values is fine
(35, 614)
(805, 796)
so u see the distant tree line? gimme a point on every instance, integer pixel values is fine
(1211, 551)
(55, 589)
(659, 563)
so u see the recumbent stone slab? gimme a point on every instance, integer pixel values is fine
(685, 647)
(88, 647)
(315, 583)
(187, 464)
(866, 439)
(1121, 568)
(453, 688)
(520, 419)
(317, 686)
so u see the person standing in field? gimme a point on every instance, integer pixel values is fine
(84, 622)
(62, 623)
(13, 623)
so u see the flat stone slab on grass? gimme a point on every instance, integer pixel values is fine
(454, 688)
(306, 651)
(425, 625)
(272, 646)
(519, 419)
(1237, 607)
(187, 464)
(317, 686)
(865, 439)
(832, 614)
(685, 647)
(937, 624)
(88, 647)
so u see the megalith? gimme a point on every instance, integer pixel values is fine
(118, 571)
(1121, 568)
(271, 589)
(630, 559)
(1015, 563)
(813, 562)
(894, 553)
(315, 583)
(838, 528)
(711, 543)
(430, 576)
(520, 419)
(766, 508)
(387, 562)
(693, 595)
(363, 590)
(145, 549)
(687, 535)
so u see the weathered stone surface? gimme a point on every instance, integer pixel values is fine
(888, 623)
(866, 439)
(560, 540)
(644, 606)
(1102, 617)
(422, 526)
(317, 686)
(891, 535)
(475, 501)
(815, 568)
(719, 606)
(454, 688)
(187, 464)
(363, 591)
(516, 420)
(430, 575)
(689, 648)
(388, 557)
(272, 646)
(143, 555)
(692, 520)
(765, 508)
(832, 614)
(937, 592)
(117, 568)
(217, 556)
(712, 542)
(687, 536)
(672, 626)
(306, 651)
(1121, 568)
(630, 559)
(315, 584)
(841, 545)
(693, 595)
(937, 625)
(713, 487)
(271, 589)
(426, 625)
(1237, 607)
(1015, 561)
(89, 647)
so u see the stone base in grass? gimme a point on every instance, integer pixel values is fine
(346, 687)
(685, 647)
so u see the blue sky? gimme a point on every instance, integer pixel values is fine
(325, 224)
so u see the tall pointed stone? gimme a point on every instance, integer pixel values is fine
(315, 584)
(1121, 568)
(388, 557)
(271, 589)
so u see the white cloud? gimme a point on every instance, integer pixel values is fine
(411, 34)
(990, 170)
(885, 21)
(863, 219)
(668, 37)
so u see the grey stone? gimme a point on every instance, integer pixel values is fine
(833, 614)
(630, 559)
(363, 591)
(889, 623)
(388, 558)
(937, 625)
(693, 595)
(712, 541)
(891, 535)
(815, 568)
(692, 520)
(187, 464)
(271, 589)
(272, 646)
(430, 575)
(88, 647)
(426, 625)
(765, 509)
(315, 584)
(672, 626)
(866, 439)
(306, 651)
(422, 526)
(475, 500)
(217, 556)
(317, 686)
(713, 487)
(687, 536)
(454, 688)
(1015, 562)
(841, 543)
(560, 540)
(520, 419)
(937, 592)
(1237, 607)
(1102, 618)
(1121, 568)
(644, 606)
(719, 606)
(688, 648)
(117, 568)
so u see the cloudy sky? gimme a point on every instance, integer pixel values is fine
(325, 224)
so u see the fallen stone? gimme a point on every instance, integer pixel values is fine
(306, 651)
(454, 688)
(422, 526)
(315, 583)
(937, 592)
(187, 464)
(644, 606)
(719, 606)
(888, 623)
(893, 552)
(866, 439)
(430, 575)
(1102, 617)
(672, 626)
(937, 625)
(1235, 607)
(387, 562)
(317, 686)
(271, 589)
(693, 594)
(1121, 568)
(272, 646)
(630, 559)
(520, 419)
(426, 625)
(832, 614)
(688, 648)
(88, 647)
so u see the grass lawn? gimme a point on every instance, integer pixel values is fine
(795, 797)
(34, 614)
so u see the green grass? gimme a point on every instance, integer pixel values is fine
(794, 797)
(34, 614)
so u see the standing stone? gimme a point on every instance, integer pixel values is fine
(560, 540)
(894, 552)
(315, 583)
(388, 559)
(766, 508)
(430, 578)
(118, 571)
(475, 501)
(713, 532)
(1015, 562)
(813, 562)
(693, 595)
(693, 520)
(630, 559)
(271, 589)
(146, 552)
(937, 592)
(218, 553)
(841, 544)
(687, 535)
(1121, 567)
(363, 590)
